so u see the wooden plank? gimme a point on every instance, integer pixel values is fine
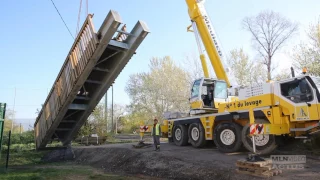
(90, 45)
(255, 164)
(78, 49)
(68, 79)
(259, 169)
(72, 68)
(82, 57)
(253, 174)
(78, 59)
(84, 41)
(264, 167)
(76, 63)
(93, 32)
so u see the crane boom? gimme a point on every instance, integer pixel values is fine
(198, 15)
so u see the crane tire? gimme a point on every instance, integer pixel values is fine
(227, 137)
(180, 135)
(196, 134)
(265, 144)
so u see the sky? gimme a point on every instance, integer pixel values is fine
(34, 42)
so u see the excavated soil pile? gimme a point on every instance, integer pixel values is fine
(173, 163)
(121, 160)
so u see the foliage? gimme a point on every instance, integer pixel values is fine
(8, 123)
(130, 123)
(86, 129)
(119, 112)
(97, 123)
(284, 74)
(17, 148)
(26, 137)
(307, 54)
(97, 120)
(269, 32)
(246, 71)
(164, 88)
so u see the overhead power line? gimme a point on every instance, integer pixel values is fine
(62, 19)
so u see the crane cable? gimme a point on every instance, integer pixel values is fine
(79, 14)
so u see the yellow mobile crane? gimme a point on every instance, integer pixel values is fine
(267, 111)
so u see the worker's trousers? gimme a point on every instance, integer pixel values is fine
(156, 141)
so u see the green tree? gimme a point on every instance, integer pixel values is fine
(98, 121)
(165, 88)
(95, 124)
(119, 111)
(8, 120)
(307, 54)
(86, 129)
(284, 74)
(246, 71)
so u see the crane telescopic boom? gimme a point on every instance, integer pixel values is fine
(198, 15)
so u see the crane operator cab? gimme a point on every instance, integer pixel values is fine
(207, 94)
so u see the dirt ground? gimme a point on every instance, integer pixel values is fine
(174, 162)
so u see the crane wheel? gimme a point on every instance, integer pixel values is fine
(265, 143)
(196, 134)
(180, 135)
(227, 137)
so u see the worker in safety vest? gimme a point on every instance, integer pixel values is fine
(156, 133)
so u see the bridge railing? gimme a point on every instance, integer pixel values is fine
(77, 59)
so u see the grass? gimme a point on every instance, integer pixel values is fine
(59, 172)
(27, 165)
(31, 157)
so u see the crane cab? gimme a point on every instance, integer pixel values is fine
(207, 94)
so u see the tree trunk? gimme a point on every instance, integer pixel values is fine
(269, 68)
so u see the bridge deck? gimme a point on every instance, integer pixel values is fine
(92, 65)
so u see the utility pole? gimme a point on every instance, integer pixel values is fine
(106, 109)
(116, 131)
(112, 108)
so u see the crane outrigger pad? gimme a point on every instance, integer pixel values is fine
(94, 62)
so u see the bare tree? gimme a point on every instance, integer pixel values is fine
(270, 31)
(193, 67)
